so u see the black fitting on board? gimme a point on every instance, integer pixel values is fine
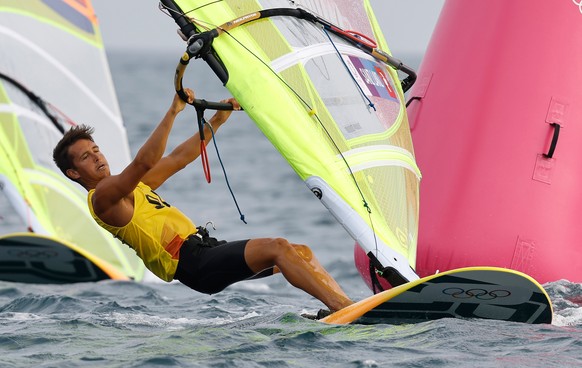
(391, 275)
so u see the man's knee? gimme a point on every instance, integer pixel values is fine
(281, 245)
(284, 247)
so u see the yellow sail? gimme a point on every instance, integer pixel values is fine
(312, 76)
(54, 72)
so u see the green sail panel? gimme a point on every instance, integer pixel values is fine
(56, 52)
(333, 111)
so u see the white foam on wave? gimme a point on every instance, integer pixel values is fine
(147, 320)
(219, 321)
(568, 317)
(370, 363)
(19, 316)
(170, 324)
(567, 300)
(253, 286)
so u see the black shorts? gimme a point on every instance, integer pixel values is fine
(210, 269)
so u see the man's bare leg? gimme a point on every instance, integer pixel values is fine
(299, 266)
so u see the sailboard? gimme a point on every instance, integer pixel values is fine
(54, 73)
(472, 292)
(318, 80)
(314, 78)
(32, 258)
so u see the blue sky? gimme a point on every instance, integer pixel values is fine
(138, 24)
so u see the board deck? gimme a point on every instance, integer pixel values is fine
(32, 258)
(473, 292)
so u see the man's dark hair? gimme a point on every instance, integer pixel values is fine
(61, 151)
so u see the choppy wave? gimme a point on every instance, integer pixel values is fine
(139, 325)
(567, 301)
(256, 323)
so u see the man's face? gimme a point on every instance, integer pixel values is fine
(89, 164)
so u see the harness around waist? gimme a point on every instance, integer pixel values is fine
(203, 239)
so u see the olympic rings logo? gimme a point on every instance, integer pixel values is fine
(579, 3)
(480, 294)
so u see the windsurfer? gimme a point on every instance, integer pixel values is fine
(165, 239)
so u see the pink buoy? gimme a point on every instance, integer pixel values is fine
(497, 132)
(496, 120)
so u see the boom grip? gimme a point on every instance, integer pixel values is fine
(197, 103)
(201, 103)
(180, 69)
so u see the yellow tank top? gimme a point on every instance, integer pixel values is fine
(156, 231)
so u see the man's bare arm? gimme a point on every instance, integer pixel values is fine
(186, 152)
(111, 190)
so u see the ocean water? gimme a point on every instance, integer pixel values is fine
(255, 323)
